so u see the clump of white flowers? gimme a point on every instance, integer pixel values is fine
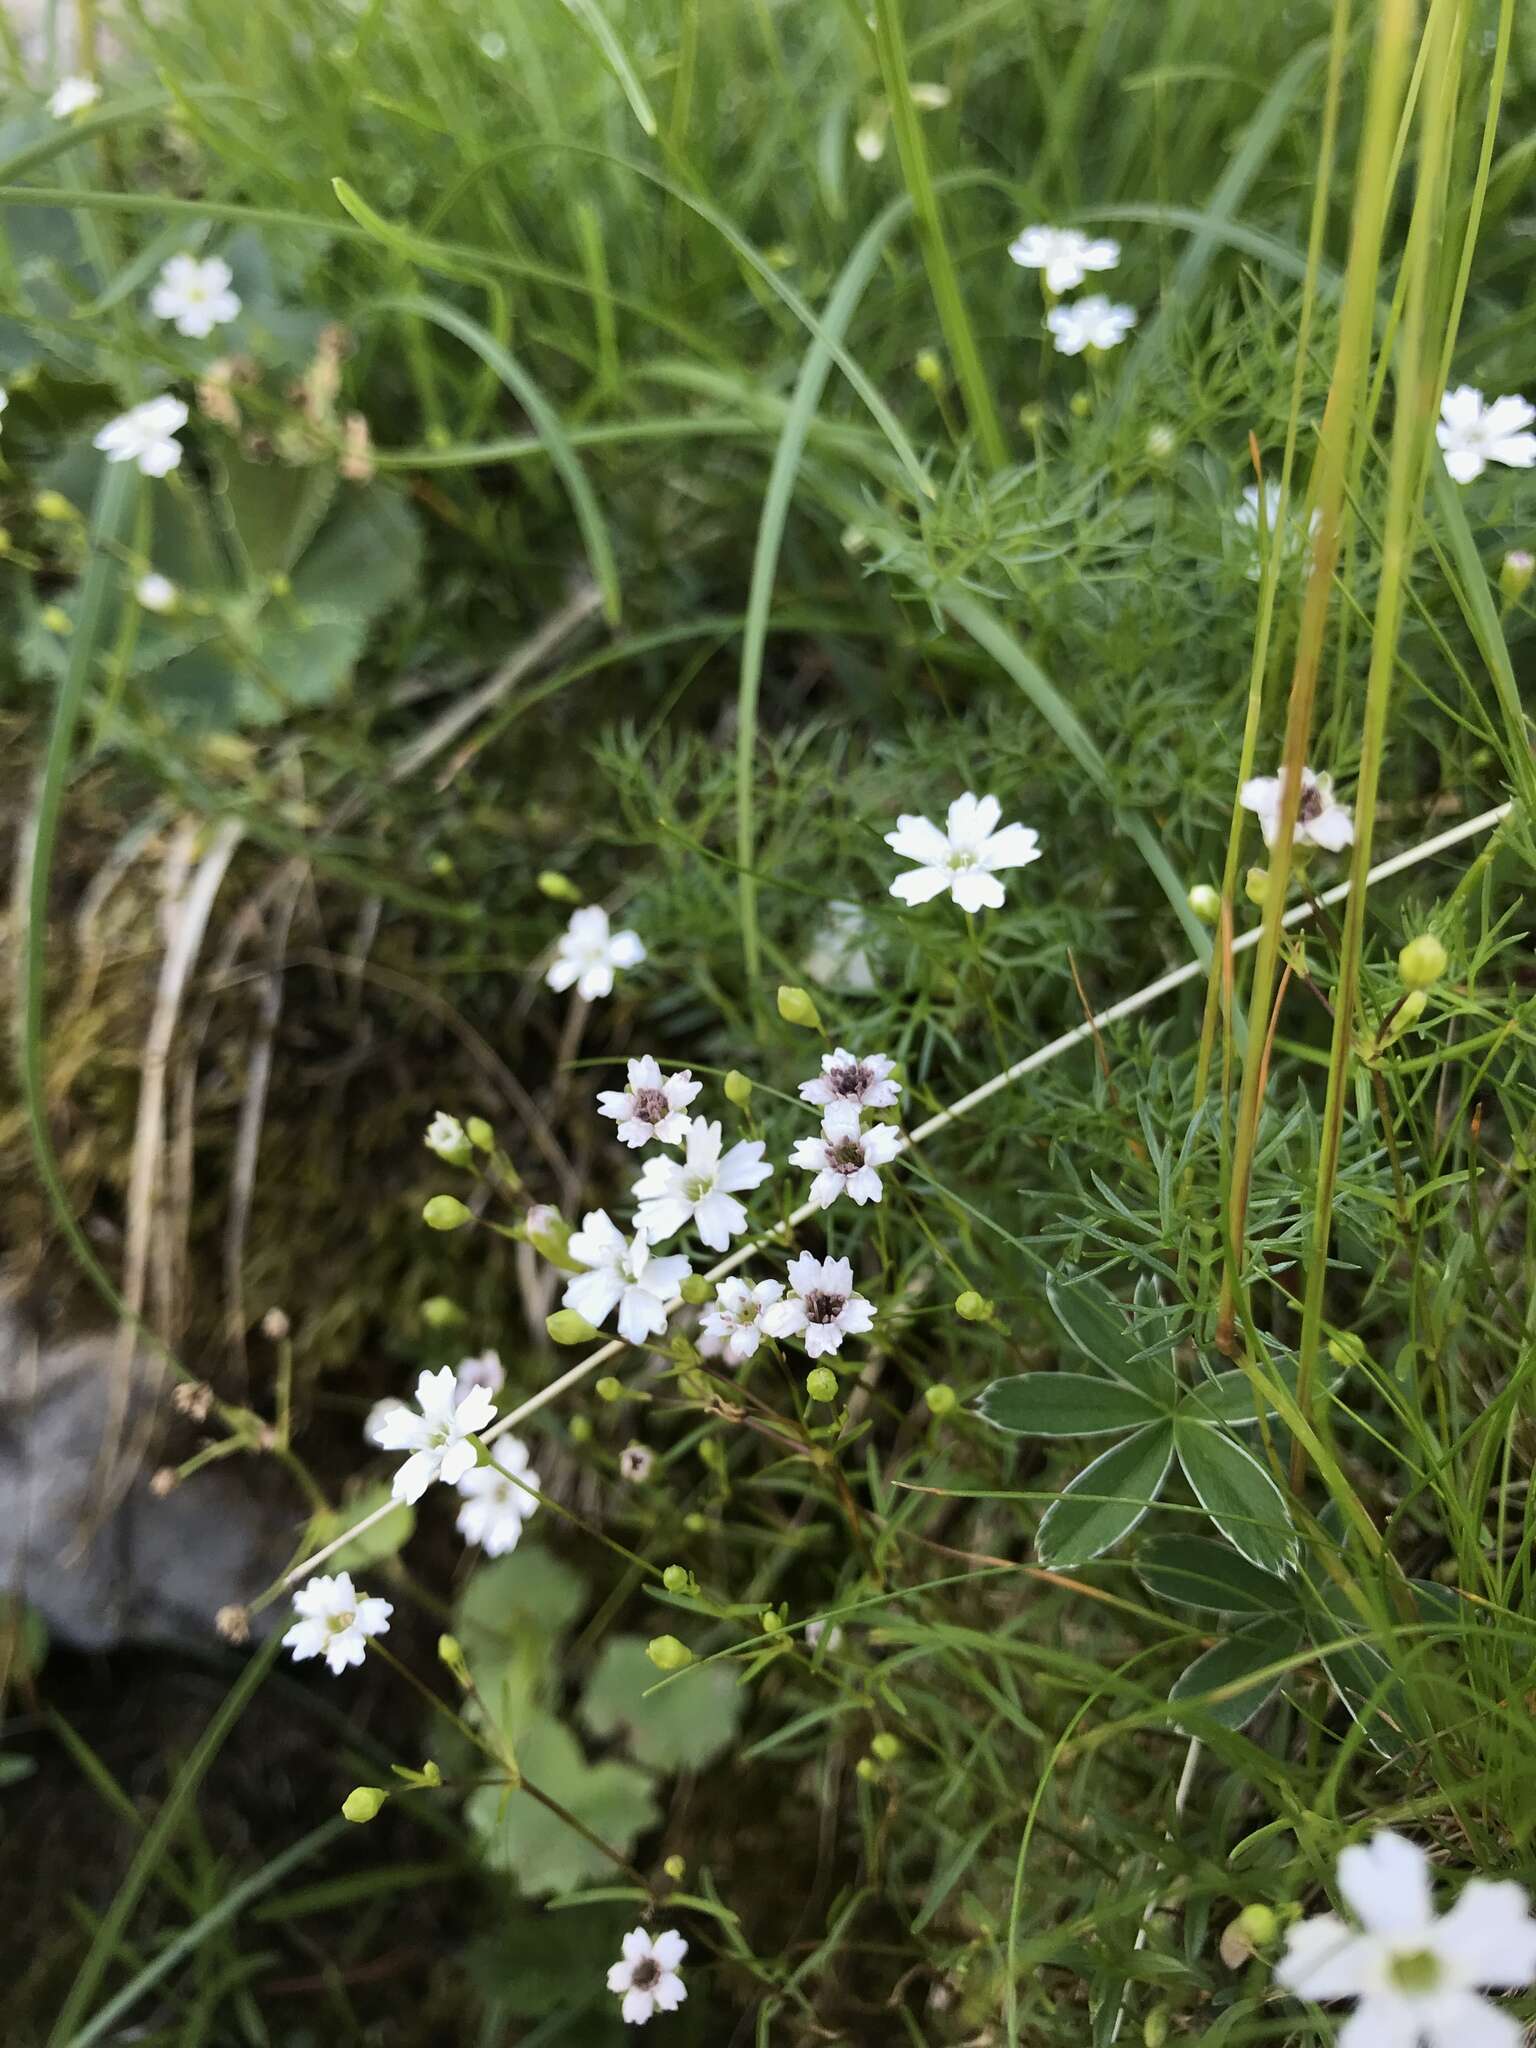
(335, 1621)
(645, 1978)
(437, 1432)
(965, 857)
(1417, 1976)
(1321, 820)
(589, 953)
(194, 294)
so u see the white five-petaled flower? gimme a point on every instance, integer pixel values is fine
(1474, 431)
(1064, 255)
(483, 1369)
(335, 1621)
(436, 1432)
(624, 1275)
(1321, 820)
(735, 1317)
(844, 1077)
(1093, 322)
(146, 435)
(447, 1137)
(156, 593)
(589, 952)
(195, 294)
(652, 1106)
(964, 857)
(1417, 1976)
(700, 1188)
(495, 1506)
(377, 1416)
(646, 1976)
(844, 1158)
(72, 96)
(821, 1308)
(1258, 532)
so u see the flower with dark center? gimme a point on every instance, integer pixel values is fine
(821, 1307)
(845, 1158)
(653, 1105)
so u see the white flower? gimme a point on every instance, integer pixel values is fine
(964, 858)
(646, 1979)
(335, 1621)
(73, 96)
(588, 953)
(437, 1432)
(485, 1369)
(447, 1137)
(5, 398)
(155, 592)
(1258, 533)
(821, 1308)
(815, 1631)
(700, 1188)
(844, 1077)
(1094, 322)
(1473, 432)
(635, 1463)
(377, 1415)
(196, 295)
(623, 1275)
(1417, 1976)
(146, 434)
(652, 1105)
(1321, 820)
(844, 1158)
(838, 955)
(1066, 255)
(495, 1506)
(735, 1317)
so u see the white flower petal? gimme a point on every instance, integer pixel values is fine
(1324, 1959)
(1386, 1884)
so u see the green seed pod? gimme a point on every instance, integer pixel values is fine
(972, 1307)
(941, 1399)
(738, 1089)
(796, 1007)
(566, 1327)
(1422, 961)
(1205, 902)
(821, 1383)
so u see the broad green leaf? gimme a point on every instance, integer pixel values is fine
(299, 661)
(518, 1835)
(1238, 1495)
(374, 1545)
(1106, 1501)
(683, 1723)
(1096, 1324)
(1064, 1404)
(1230, 1397)
(364, 558)
(270, 511)
(1195, 1572)
(1254, 1648)
(529, 1592)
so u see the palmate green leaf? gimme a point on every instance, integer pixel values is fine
(527, 1593)
(1107, 1500)
(1238, 1495)
(540, 1852)
(680, 1726)
(374, 1545)
(1064, 1404)
(1096, 1324)
(1193, 1571)
(1254, 1648)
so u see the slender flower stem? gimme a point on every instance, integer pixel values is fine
(1128, 1006)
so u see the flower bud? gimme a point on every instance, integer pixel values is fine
(609, 1389)
(1258, 1922)
(738, 1089)
(450, 1653)
(941, 1399)
(57, 620)
(445, 1212)
(770, 1621)
(677, 1578)
(446, 1136)
(560, 887)
(363, 1803)
(972, 1307)
(579, 1429)
(1162, 443)
(275, 1325)
(867, 1769)
(1422, 961)
(1347, 1349)
(550, 1235)
(1205, 902)
(869, 141)
(566, 1327)
(157, 593)
(1515, 573)
(439, 1313)
(696, 1290)
(796, 1007)
(668, 1654)
(676, 1867)
(1154, 2028)
(53, 505)
(1080, 404)
(1407, 1014)
(821, 1383)
(887, 1747)
(928, 97)
(854, 540)
(929, 370)
(1256, 886)
(479, 1134)
(695, 1524)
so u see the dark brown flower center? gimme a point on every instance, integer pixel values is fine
(849, 1081)
(650, 1105)
(1311, 805)
(823, 1308)
(645, 1973)
(847, 1155)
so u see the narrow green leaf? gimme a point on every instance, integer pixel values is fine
(1238, 1495)
(1222, 1671)
(1106, 1501)
(1064, 1404)
(1230, 1397)
(597, 25)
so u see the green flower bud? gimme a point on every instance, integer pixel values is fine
(696, 1290)
(609, 1389)
(446, 1136)
(695, 1523)
(1409, 1011)
(972, 1307)
(1258, 1922)
(677, 1578)
(821, 1383)
(550, 1235)
(1347, 1349)
(558, 886)
(867, 1769)
(1205, 902)
(941, 1399)
(1154, 2028)
(929, 370)
(1422, 961)
(1080, 405)
(887, 1747)
(57, 620)
(439, 1313)
(280, 584)
(796, 1007)
(446, 1212)
(480, 1134)
(580, 1429)
(363, 1803)
(1162, 443)
(770, 1621)
(676, 1867)
(1256, 886)
(1515, 573)
(738, 1089)
(53, 505)
(566, 1327)
(450, 1652)
(668, 1654)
